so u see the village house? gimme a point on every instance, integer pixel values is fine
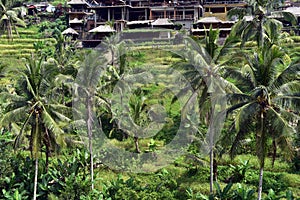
(195, 16)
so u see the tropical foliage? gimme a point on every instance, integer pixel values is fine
(48, 152)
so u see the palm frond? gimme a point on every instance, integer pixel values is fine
(290, 73)
(280, 129)
(19, 137)
(289, 17)
(238, 98)
(14, 115)
(245, 117)
(291, 101)
(237, 11)
(50, 123)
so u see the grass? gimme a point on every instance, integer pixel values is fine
(279, 165)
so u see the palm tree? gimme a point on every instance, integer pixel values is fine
(9, 19)
(87, 96)
(260, 11)
(267, 102)
(202, 66)
(31, 107)
(117, 49)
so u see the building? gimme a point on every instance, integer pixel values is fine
(219, 8)
(98, 12)
(85, 15)
(77, 16)
(204, 24)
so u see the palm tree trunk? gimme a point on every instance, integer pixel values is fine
(261, 152)
(274, 152)
(211, 183)
(260, 182)
(36, 155)
(136, 142)
(47, 144)
(35, 177)
(9, 30)
(90, 135)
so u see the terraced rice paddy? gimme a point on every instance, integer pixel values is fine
(21, 46)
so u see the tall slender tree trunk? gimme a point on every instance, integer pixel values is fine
(35, 153)
(211, 158)
(35, 177)
(90, 135)
(261, 171)
(274, 152)
(262, 142)
(48, 146)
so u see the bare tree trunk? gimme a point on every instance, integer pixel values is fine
(90, 135)
(260, 182)
(211, 183)
(35, 177)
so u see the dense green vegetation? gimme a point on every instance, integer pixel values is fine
(54, 95)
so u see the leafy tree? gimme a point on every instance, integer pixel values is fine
(267, 103)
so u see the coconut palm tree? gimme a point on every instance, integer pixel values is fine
(87, 95)
(117, 49)
(33, 108)
(259, 12)
(9, 19)
(267, 103)
(202, 65)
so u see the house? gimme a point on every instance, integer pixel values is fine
(219, 8)
(204, 24)
(98, 12)
(85, 15)
(77, 15)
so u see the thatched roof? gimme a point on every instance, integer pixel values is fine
(77, 2)
(75, 21)
(69, 31)
(209, 20)
(102, 29)
(140, 22)
(206, 30)
(162, 22)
